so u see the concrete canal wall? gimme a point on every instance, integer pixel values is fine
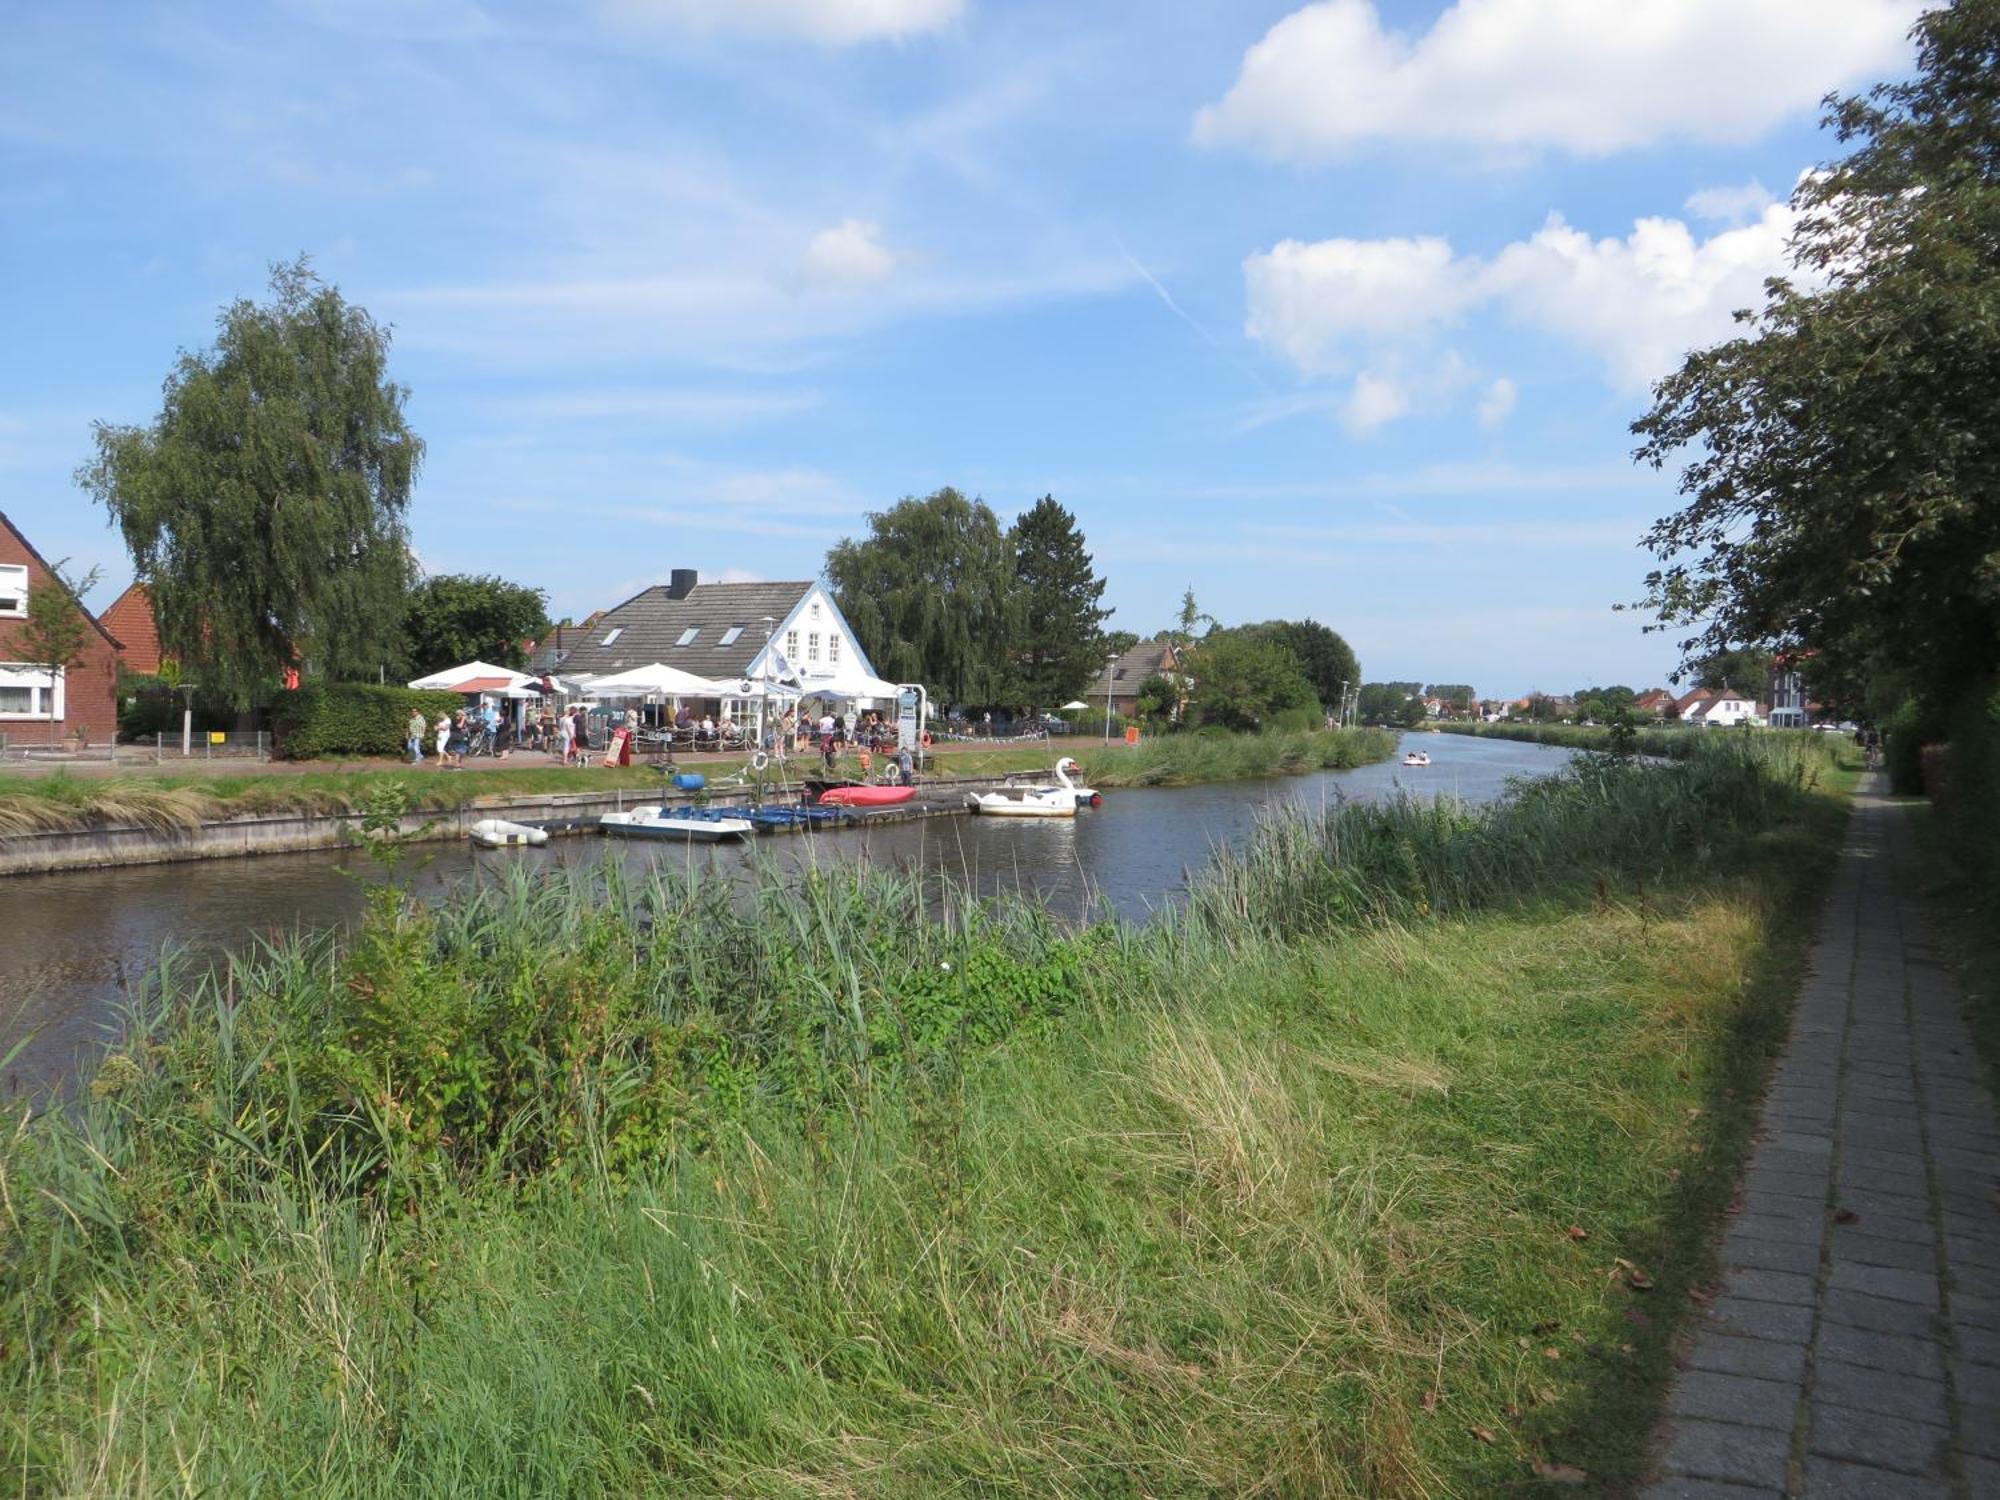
(290, 833)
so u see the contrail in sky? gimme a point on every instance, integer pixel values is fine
(1182, 313)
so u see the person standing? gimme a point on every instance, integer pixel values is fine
(442, 730)
(413, 736)
(566, 731)
(490, 722)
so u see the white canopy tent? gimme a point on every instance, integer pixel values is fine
(658, 680)
(475, 677)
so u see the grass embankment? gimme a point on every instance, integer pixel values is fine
(1665, 743)
(169, 802)
(1383, 1169)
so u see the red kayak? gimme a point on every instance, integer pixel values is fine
(865, 796)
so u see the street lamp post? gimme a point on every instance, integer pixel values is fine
(1110, 680)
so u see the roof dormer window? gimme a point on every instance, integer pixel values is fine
(688, 635)
(729, 636)
(609, 639)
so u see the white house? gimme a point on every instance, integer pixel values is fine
(1722, 710)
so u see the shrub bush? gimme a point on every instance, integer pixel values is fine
(350, 718)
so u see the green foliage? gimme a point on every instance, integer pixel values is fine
(458, 617)
(1844, 488)
(1745, 668)
(1459, 697)
(929, 593)
(1328, 662)
(265, 507)
(1156, 700)
(350, 718)
(1242, 681)
(579, 1187)
(1058, 643)
(56, 630)
(1905, 732)
(1382, 702)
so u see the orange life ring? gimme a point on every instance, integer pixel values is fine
(926, 740)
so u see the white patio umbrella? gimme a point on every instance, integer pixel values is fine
(1074, 703)
(658, 680)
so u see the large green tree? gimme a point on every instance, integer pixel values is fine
(458, 617)
(1328, 661)
(929, 592)
(265, 506)
(1242, 681)
(1841, 458)
(1058, 641)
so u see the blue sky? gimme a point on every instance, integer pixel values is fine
(1337, 309)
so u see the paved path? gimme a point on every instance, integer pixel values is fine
(1855, 1347)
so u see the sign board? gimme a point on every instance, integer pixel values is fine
(908, 727)
(218, 737)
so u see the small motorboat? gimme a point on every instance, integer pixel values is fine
(498, 833)
(703, 824)
(1416, 758)
(862, 795)
(1059, 801)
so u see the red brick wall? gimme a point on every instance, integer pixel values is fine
(90, 691)
(129, 618)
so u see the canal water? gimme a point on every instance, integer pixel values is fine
(75, 941)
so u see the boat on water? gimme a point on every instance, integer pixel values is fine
(705, 825)
(860, 794)
(1059, 801)
(498, 833)
(1416, 758)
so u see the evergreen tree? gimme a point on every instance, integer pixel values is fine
(1059, 643)
(265, 506)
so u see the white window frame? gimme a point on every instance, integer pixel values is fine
(731, 636)
(833, 649)
(19, 674)
(812, 645)
(688, 635)
(791, 645)
(18, 595)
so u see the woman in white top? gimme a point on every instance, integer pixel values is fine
(442, 734)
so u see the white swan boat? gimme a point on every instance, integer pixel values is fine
(498, 833)
(1416, 758)
(1058, 801)
(702, 824)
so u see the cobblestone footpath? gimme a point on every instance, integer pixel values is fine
(1854, 1348)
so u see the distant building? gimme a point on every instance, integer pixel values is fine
(1789, 708)
(1121, 680)
(130, 617)
(33, 709)
(1654, 703)
(1722, 709)
(717, 631)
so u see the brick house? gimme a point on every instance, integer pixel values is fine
(1121, 680)
(130, 618)
(34, 711)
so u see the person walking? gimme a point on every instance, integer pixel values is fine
(413, 736)
(442, 731)
(566, 733)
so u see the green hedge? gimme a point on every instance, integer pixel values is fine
(351, 718)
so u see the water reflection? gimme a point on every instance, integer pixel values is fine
(74, 942)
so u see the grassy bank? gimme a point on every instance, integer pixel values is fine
(1666, 743)
(1382, 1170)
(168, 801)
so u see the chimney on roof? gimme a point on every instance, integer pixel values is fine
(681, 582)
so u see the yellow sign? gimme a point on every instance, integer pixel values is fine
(218, 737)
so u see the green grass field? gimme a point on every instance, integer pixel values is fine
(1387, 1168)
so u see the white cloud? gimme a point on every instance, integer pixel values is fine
(1637, 303)
(1375, 400)
(1497, 404)
(1585, 76)
(1314, 301)
(1731, 205)
(830, 22)
(851, 253)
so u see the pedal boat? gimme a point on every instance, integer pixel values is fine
(1059, 801)
(1416, 758)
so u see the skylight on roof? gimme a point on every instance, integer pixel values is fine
(614, 635)
(688, 635)
(729, 636)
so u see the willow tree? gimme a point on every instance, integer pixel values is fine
(929, 593)
(265, 505)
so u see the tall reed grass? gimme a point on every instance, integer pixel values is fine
(575, 1188)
